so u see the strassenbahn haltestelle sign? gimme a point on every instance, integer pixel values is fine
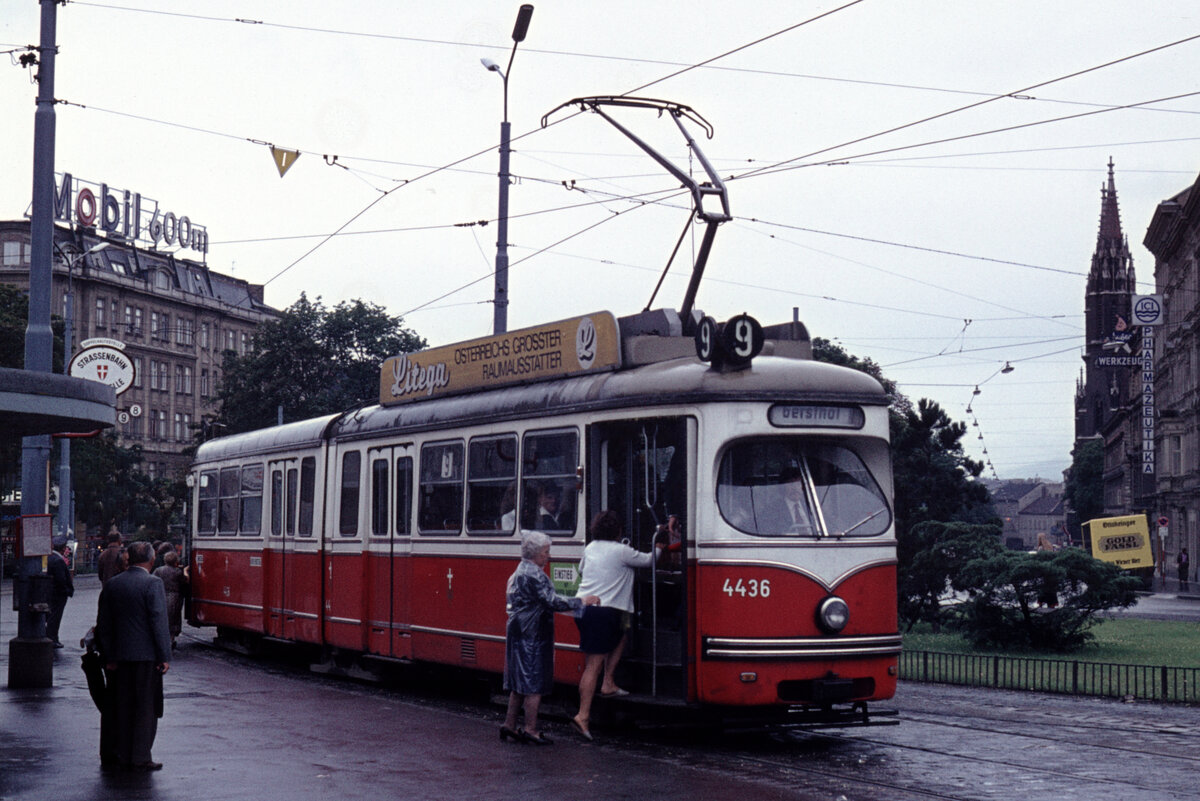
(587, 344)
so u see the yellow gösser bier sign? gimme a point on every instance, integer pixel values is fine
(588, 344)
(1124, 541)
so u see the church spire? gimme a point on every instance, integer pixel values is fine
(1110, 214)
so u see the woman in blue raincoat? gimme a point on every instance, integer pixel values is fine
(529, 637)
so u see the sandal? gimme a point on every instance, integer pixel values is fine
(580, 730)
(537, 739)
(511, 734)
(617, 693)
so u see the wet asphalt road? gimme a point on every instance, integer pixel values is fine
(242, 729)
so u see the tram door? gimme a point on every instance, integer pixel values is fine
(643, 470)
(390, 486)
(291, 575)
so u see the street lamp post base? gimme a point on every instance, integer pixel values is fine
(30, 663)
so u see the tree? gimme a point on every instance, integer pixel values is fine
(934, 555)
(1046, 600)
(934, 479)
(106, 481)
(1084, 491)
(311, 361)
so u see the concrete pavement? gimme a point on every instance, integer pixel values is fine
(243, 734)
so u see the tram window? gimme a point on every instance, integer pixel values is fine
(403, 493)
(379, 497)
(206, 503)
(440, 509)
(308, 491)
(348, 512)
(790, 487)
(290, 530)
(276, 503)
(492, 485)
(251, 498)
(549, 462)
(228, 502)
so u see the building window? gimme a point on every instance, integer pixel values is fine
(154, 325)
(162, 280)
(16, 254)
(183, 332)
(162, 423)
(137, 322)
(137, 371)
(183, 379)
(204, 382)
(204, 335)
(244, 343)
(183, 425)
(101, 307)
(1175, 455)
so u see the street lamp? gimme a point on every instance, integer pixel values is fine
(66, 505)
(500, 297)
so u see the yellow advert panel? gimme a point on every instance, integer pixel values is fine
(1124, 541)
(587, 344)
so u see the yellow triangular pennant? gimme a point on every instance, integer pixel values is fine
(284, 159)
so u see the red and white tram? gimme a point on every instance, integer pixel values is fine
(389, 531)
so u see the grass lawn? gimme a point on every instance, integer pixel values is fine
(1129, 641)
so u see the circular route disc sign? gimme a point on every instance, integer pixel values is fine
(105, 364)
(1162, 521)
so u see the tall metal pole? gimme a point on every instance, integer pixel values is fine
(500, 295)
(30, 654)
(500, 311)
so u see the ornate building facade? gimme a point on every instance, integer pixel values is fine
(1174, 239)
(175, 318)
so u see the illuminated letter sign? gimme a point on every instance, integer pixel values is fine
(98, 202)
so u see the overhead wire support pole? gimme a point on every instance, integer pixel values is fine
(500, 295)
(714, 187)
(30, 654)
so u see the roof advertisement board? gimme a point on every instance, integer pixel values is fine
(580, 345)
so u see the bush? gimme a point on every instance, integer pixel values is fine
(932, 556)
(1043, 601)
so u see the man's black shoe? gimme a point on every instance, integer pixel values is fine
(146, 767)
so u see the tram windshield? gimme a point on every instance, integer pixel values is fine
(793, 487)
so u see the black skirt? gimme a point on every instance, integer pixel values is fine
(600, 629)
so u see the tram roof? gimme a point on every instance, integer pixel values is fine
(673, 382)
(667, 383)
(265, 440)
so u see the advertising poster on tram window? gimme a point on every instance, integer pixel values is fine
(1124, 541)
(587, 344)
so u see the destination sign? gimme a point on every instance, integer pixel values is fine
(806, 416)
(577, 346)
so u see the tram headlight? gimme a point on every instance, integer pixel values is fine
(833, 614)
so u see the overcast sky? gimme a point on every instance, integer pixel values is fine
(888, 241)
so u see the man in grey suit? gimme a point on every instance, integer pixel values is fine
(133, 638)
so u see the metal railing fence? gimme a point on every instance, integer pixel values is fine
(1148, 682)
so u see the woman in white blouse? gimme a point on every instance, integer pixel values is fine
(608, 570)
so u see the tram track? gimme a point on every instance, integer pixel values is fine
(1129, 732)
(1116, 782)
(823, 762)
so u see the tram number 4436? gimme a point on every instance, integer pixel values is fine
(747, 588)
